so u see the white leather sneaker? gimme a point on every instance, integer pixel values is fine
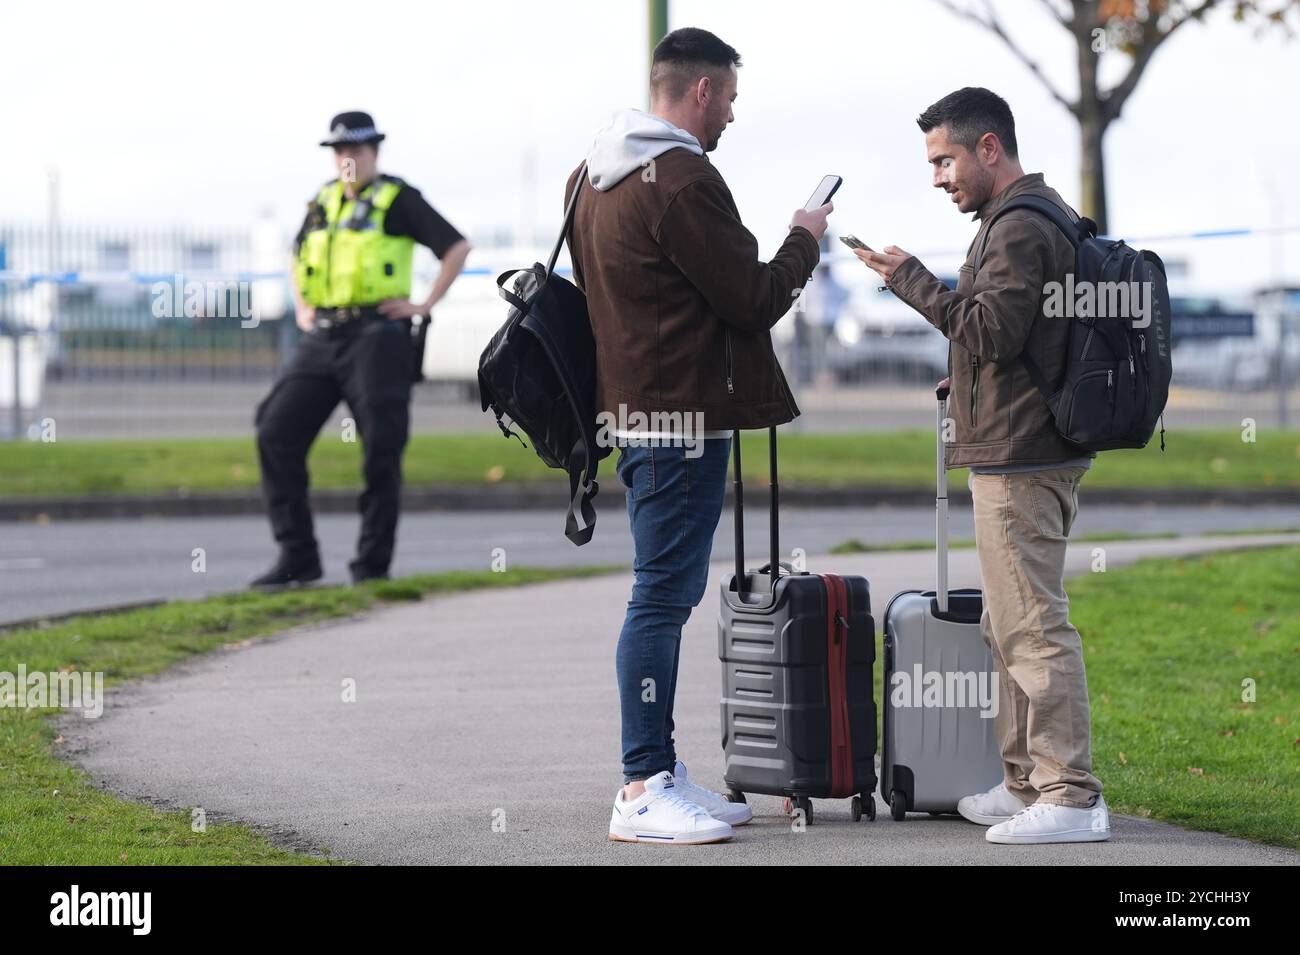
(716, 805)
(990, 808)
(663, 814)
(1045, 822)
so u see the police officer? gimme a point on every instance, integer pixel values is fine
(352, 282)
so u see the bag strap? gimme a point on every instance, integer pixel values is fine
(1076, 232)
(543, 274)
(509, 294)
(568, 220)
(580, 518)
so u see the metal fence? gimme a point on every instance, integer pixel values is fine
(169, 332)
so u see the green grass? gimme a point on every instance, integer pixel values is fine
(1247, 532)
(1167, 645)
(855, 546)
(1195, 459)
(50, 813)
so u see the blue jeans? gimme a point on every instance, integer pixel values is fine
(673, 505)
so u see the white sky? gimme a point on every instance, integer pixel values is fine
(210, 113)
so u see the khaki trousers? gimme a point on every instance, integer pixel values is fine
(1022, 523)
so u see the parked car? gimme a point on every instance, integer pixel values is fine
(1236, 345)
(879, 336)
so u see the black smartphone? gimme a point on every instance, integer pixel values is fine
(822, 194)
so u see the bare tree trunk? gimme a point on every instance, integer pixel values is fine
(1092, 170)
(1090, 112)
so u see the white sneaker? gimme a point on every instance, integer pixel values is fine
(1047, 822)
(663, 814)
(716, 805)
(990, 808)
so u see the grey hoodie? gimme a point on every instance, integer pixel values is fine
(633, 138)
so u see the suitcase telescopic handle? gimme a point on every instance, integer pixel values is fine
(773, 565)
(941, 500)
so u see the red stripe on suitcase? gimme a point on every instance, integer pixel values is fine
(837, 655)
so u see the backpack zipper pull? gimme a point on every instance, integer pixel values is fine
(509, 433)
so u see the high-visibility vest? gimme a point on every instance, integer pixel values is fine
(345, 257)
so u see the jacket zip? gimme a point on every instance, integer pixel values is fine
(730, 387)
(974, 387)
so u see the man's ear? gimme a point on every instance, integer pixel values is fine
(703, 90)
(989, 149)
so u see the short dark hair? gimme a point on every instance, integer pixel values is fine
(969, 113)
(685, 55)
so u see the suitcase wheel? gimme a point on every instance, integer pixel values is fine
(735, 795)
(897, 805)
(863, 806)
(798, 802)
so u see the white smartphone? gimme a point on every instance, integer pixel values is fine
(822, 194)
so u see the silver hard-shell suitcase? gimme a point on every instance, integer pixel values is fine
(932, 755)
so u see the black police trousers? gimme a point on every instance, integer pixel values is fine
(368, 365)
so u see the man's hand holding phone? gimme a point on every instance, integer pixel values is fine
(813, 220)
(884, 263)
(814, 212)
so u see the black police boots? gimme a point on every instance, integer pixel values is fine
(290, 571)
(361, 573)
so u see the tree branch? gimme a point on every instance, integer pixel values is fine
(1113, 100)
(1064, 18)
(991, 23)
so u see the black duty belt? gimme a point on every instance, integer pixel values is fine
(330, 319)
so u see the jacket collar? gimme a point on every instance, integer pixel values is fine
(1026, 183)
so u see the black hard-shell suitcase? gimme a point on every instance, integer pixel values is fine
(798, 653)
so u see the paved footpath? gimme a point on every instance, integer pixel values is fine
(500, 707)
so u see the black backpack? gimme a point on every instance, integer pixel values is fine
(539, 372)
(1117, 373)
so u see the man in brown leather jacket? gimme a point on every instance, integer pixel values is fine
(681, 307)
(1024, 477)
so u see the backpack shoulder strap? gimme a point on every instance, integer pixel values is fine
(543, 274)
(1075, 231)
(568, 220)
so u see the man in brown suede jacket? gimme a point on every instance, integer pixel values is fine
(1024, 478)
(681, 308)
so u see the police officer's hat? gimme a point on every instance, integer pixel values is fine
(353, 127)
